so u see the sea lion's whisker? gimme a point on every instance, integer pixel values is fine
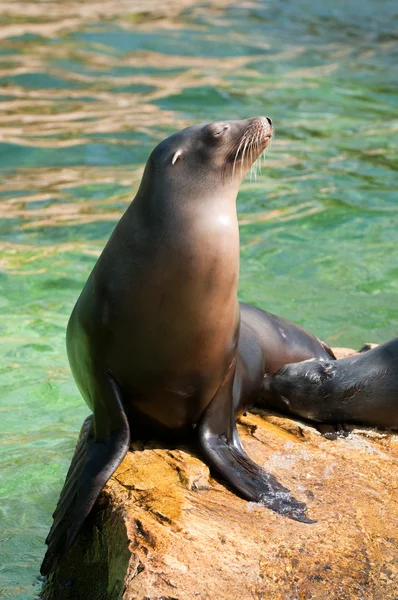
(243, 155)
(236, 156)
(244, 142)
(257, 152)
(252, 172)
(258, 161)
(253, 168)
(256, 164)
(237, 152)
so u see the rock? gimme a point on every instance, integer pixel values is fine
(163, 528)
(341, 352)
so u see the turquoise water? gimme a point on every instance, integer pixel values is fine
(87, 89)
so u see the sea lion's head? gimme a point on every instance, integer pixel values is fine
(209, 156)
(296, 386)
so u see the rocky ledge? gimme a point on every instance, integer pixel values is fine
(164, 529)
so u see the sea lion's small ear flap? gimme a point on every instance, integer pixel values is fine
(176, 156)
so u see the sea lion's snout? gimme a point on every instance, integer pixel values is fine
(261, 127)
(270, 393)
(264, 122)
(251, 137)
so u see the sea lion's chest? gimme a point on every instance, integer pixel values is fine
(167, 296)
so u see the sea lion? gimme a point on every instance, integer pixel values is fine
(360, 389)
(153, 338)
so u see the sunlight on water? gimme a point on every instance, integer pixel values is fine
(87, 90)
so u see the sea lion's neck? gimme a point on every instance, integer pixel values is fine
(197, 235)
(183, 207)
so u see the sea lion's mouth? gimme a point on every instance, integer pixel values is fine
(251, 144)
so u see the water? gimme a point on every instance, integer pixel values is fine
(87, 89)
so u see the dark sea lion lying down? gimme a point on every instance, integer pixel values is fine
(360, 389)
(158, 342)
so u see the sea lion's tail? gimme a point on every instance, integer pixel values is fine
(92, 465)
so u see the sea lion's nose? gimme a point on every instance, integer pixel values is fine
(269, 120)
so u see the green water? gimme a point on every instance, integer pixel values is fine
(87, 90)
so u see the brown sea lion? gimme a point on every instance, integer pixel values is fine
(154, 340)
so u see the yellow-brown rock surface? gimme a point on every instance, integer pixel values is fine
(163, 528)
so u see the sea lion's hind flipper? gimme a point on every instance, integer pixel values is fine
(366, 347)
(221, 445)
(92, 465)
(331, 431)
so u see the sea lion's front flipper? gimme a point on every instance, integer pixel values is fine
(221, 445)
(92, 465)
